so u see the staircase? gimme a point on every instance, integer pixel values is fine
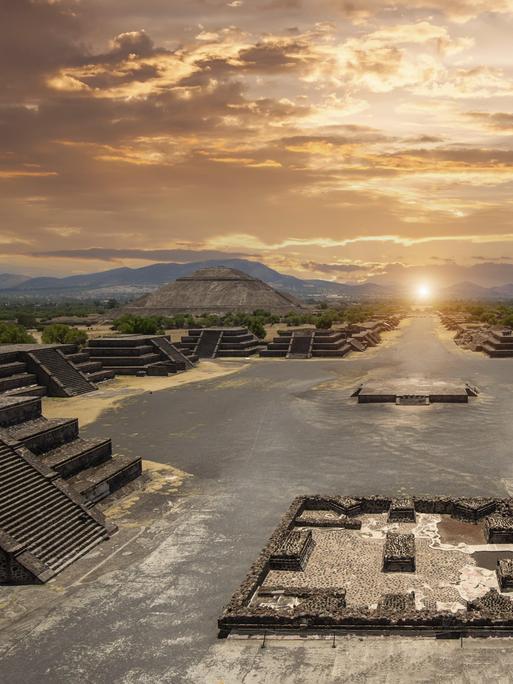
(210, 343)
(300, 346)
(207, 344)
(56, 444)
(42, 528)
(167, 349)
(91, 368)
(52, 363)
(15, 380)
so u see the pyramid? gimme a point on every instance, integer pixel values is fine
(216, 290)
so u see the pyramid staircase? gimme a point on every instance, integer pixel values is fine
(86, 464)
(44, 527)
(211, 343)
(138, 355)
(38, 370)
(52, 363)
(306, 343)
(81, 359)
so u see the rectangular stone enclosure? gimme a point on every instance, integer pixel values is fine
(377, 564)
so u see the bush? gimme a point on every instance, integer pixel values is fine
(139, 325)
(10, 333)
(256, 326)
(58, 333)
(324, 322)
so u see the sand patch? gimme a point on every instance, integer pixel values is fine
(88, 407)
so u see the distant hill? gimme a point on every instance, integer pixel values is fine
(129, 283)
(134, 281)
(9, 280)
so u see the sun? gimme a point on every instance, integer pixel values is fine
(423, 291)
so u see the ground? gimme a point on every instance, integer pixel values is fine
(143, 607)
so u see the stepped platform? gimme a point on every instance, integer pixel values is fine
(414, 392)
(36, 370)
(404, 574)
(138, 355)
(211, 343)
(44, 526)
(306, 343)
(84, 469)
(498, 343)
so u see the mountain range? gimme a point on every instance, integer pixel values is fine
(125, 283)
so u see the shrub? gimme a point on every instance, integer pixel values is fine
(58, 333)
(138, 325)
(256, 326)
(10, 333)
(324, 322)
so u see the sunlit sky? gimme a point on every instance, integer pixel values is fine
(328, 139)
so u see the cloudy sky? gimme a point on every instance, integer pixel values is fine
(328, 138)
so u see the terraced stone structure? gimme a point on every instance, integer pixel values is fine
(217, 290)
(138, 355)
(211, 343)
(38, 370)
(498, 343)
(50, 480)
(404, 565)
(307, 343)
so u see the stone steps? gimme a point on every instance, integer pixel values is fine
(41, 434)
(100, 481)
(54, 363)
(17, 380)
(71, 458)
(47, 528)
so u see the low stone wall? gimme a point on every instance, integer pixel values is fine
(491, 614)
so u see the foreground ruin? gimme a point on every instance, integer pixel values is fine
(439, 566)
(50, 479)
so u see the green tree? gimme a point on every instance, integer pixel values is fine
(129, 324)
(58, 333)
(11, 333)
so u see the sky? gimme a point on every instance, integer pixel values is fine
(340, 139)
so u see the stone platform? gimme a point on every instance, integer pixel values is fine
(414, 392)
(347, 565)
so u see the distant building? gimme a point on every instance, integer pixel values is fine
(217, 290)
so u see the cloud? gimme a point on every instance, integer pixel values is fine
(334, 268)
(157, 255)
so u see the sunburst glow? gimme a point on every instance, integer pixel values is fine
(424, 291)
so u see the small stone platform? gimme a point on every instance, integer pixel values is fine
(414, 392)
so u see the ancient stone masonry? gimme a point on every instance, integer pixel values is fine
(44, 525)
(397, 603)
(50, 478)
(211, 343)
(505, 574)
(306, 343)
(401, 510)
(399, 553)
(294, 552)
(496, 342)
(499, 529)
(473, 508)
(414, 392)
(387, 572)
(87, 465)
(216, 290)
(138, 355)
(36, 370)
